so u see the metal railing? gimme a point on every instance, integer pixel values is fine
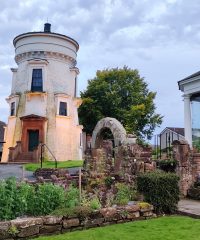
(42, 146)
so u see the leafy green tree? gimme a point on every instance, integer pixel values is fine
(122, 94)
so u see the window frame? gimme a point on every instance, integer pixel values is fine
(37, 80)
(65, 110)
(12, 109)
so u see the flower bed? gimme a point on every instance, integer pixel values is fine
(31, 227)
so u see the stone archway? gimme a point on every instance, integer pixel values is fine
(118, 132)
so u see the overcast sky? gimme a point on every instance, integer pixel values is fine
(161, 38)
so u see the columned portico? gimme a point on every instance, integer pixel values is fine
(187, 119)
(190, 86)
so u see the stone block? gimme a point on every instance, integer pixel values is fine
(149, 167)
(133, 215)
(4, 229)
(46, 229)
(147, 214)
(132, 208)
(108, 212)
(73, 222)
(93, 222)
(147, 209)
(26, 222)
(28, 231)
(52, 220)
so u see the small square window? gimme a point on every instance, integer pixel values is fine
(63, 109)
(12, 109)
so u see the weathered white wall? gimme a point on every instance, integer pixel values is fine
(9, 138)
(45, 42)
(56, 56)
(36, 104)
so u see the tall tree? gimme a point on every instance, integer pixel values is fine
(122, 94)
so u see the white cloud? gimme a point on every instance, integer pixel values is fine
(160, 38)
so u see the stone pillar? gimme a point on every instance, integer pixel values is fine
(187, 119)
(182, 154)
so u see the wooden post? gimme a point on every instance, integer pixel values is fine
(41, 156)
(79, 183)
(22, 172)
(160, 147)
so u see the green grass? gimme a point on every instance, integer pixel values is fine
(164, 228)
(47, 164)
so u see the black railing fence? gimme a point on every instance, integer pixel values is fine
(42, 147)
(163, 144)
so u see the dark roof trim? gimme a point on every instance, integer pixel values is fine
(189, 77)
(179, 131)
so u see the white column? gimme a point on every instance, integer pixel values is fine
(187, 119)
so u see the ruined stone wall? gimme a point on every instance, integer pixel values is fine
(188, 167)
(126, 161)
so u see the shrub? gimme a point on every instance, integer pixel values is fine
(79, 211)
(82, 211)
(71, 197)
(91, 201)
(123, 194)
(194, 191)
(144, 205)
(67, 212)
(47, 197)
(109, 181)
(13, 198)
(13, 231)
(18, 199)
(95, 204)
(23, 194)
(7, 193)
(167, 165)
(160, 189)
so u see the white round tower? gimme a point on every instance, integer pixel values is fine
(43, 101)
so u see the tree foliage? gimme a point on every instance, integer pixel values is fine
(122, 94)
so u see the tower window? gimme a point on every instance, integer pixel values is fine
(12, 109)
(63, 109)
(37, 84)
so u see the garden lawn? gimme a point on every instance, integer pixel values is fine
(50, 164)
(163, 228)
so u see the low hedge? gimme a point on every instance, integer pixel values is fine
(194, 191)
(160, 189)
(168, 165)
(20, 199)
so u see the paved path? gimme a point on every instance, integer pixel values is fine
(189, 207)
(14, 170)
